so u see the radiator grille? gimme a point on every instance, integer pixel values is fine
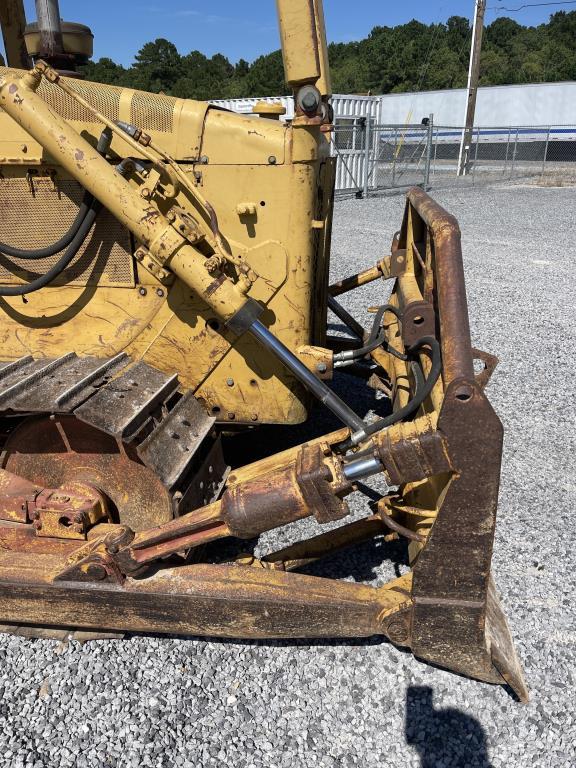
(35, 220)
(152, 112)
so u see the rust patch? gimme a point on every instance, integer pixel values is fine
(215, 284)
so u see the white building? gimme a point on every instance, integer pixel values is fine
(501, 105)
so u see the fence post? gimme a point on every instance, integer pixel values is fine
(428, 153)
(506, 158)
(514, 154)
(476, 156)
(367, 139)
(435, 140)
(545, 152)
(394, 157)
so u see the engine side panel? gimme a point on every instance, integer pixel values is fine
(106, 303)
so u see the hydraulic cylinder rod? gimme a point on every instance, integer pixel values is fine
(315, 385)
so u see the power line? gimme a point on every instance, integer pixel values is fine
(428, 59)
(529, 5)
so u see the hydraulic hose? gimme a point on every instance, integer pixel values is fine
(72, 240)
(423, 389)
(345, 358)
(375, 340)
(85, 206)
(59, 245)
(378, 319)
(63, 261)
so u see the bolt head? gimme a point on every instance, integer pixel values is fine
(397, 631)
(309, 100)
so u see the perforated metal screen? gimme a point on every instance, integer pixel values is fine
(149, 111)
(105, 99)
(37, 211)
(152, 112)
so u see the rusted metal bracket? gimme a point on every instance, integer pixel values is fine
(67, 512)
(489, 362)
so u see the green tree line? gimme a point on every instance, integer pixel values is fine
(408, 57)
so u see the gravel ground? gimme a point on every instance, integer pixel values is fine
(152, 701)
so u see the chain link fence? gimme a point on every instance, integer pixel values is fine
(540, 154)
(373, 157)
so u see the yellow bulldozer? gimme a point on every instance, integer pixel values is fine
(163, 291)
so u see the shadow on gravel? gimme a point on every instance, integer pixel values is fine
(444, 738)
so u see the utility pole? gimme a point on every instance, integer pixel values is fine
(472, 90)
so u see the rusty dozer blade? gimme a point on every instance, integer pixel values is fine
(65, 561)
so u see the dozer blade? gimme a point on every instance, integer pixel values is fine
(439, 451)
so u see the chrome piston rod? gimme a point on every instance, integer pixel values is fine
(307, 378)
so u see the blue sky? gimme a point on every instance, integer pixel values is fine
(248, 29)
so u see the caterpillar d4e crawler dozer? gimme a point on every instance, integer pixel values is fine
(163, 288)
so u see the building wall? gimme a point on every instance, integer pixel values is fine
(504, 105)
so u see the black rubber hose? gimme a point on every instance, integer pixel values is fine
(60, 245)
(378, 319)
(63, 261)
(375, 332)
(423, 390)
(355, 354)
(420, 381)
(375, 339)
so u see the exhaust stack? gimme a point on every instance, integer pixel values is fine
(63, 45)
(51, 42)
